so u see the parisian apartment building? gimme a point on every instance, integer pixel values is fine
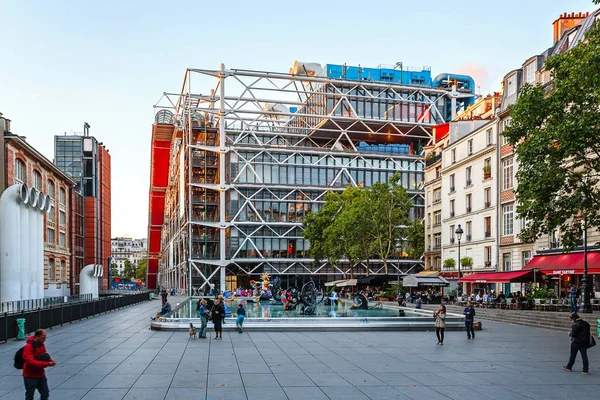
(470, 179)
(123, 248)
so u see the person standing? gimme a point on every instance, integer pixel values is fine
(218, 312)
(163, 295)
(34, 375)
(469, 313)
(201, 313)
(580, 341)
(440, 323)
(241, 315)
(573, 298)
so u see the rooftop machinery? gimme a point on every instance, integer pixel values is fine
(248, 157)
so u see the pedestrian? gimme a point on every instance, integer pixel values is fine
(241, 315)
(573, 298)
(580, 341)
(164, 295)
(217, 313)
(440, 323)
(201, 313)
(469, 313)
(35, 360)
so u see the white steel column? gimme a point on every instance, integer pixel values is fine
(222, 253)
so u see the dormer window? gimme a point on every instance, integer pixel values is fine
(529, 72)
(511, 85)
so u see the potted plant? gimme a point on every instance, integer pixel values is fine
(466, 262)
(430, 155)
(487, 172)
(449, 263)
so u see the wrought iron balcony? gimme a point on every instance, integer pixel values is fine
(488, 234)
(488, 204)
(468, 209)
(451, 240)
(469, 182)
(451, 213)
(468, 238)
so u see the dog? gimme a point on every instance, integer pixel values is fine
(192, 331)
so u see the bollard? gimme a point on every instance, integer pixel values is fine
(21, 328)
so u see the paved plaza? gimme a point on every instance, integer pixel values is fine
(116, 356)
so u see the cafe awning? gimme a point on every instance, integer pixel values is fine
(499, 277)
(565, 263)
(335, 283)
(424, 280)
(348, 282)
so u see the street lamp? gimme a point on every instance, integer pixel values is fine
(587, 306)
(459, 233)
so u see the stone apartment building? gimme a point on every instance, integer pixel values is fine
(134, 250)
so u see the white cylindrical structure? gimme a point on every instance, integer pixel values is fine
(26, 229)
(10, 257)
(88, 280)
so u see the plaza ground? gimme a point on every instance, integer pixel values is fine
(116, 356)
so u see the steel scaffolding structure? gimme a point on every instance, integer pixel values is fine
(259, 150)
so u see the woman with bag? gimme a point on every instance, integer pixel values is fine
(218, 313)
(440, 323)
(581, 340)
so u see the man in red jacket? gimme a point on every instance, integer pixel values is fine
(33, 368)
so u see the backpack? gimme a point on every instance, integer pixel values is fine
(19, 361)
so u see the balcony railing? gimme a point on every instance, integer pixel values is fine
(437, 201)
(452, 188)
(468, 238)
(488, 204)
(469, 182)
(451, 240)
(554, 244)
(488, 234)
(468, 209)
(433, 160)
(487, 264)
(451, 214)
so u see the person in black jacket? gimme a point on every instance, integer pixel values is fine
(580, 341)
(218, 313)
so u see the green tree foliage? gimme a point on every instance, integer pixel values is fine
(358, 224)
(555, 133)
(114, 271)
(129, 270)
(388, 206)
(141, 269)
(415, 239)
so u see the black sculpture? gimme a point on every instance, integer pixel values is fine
(360, 303)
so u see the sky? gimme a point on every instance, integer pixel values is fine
(63, 63)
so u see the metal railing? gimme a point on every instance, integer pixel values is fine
(17, 306)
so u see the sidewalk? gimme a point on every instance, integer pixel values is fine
(115, 356)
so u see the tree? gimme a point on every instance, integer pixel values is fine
(129, 271)
(554, 131)
(141, 270)
(114, 271)
(415, 239)
(388, 206)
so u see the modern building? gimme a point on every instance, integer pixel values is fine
(133, 250)
(234, 170)
(87, 161)
(24, 164)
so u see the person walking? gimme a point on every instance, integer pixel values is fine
(201, 313)
(218, 312)
(241, 315)
(440, 323)
(163, 295)
(580, 341)
(35, 360)
(469, 313)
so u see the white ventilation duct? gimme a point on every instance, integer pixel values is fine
(306, 68)
(88, 279)
(22, 243)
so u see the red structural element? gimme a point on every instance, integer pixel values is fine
(439, 131)
(160, 153)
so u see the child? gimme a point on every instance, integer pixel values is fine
(241, 312)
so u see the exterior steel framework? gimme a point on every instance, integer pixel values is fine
(259, 150)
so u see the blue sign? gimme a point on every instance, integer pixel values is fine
(124, 285)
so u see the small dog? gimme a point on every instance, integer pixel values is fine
(192, 331)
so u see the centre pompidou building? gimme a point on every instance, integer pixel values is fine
(237, 162)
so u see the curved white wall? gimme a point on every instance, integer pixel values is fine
(88, 279)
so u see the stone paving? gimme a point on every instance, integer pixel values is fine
(116, 356)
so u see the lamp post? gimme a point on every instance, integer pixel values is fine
(587, 306)
(459, 233)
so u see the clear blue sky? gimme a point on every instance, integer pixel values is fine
(108, 62)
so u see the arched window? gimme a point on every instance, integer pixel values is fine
(37, 180)
(20, 171)
(62, 196)
(51, 189)
(51, 272)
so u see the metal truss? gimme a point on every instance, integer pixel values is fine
(276, 120)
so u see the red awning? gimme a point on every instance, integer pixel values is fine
(565, 264)
(497, 277)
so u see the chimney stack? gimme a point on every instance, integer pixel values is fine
(565, 22)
